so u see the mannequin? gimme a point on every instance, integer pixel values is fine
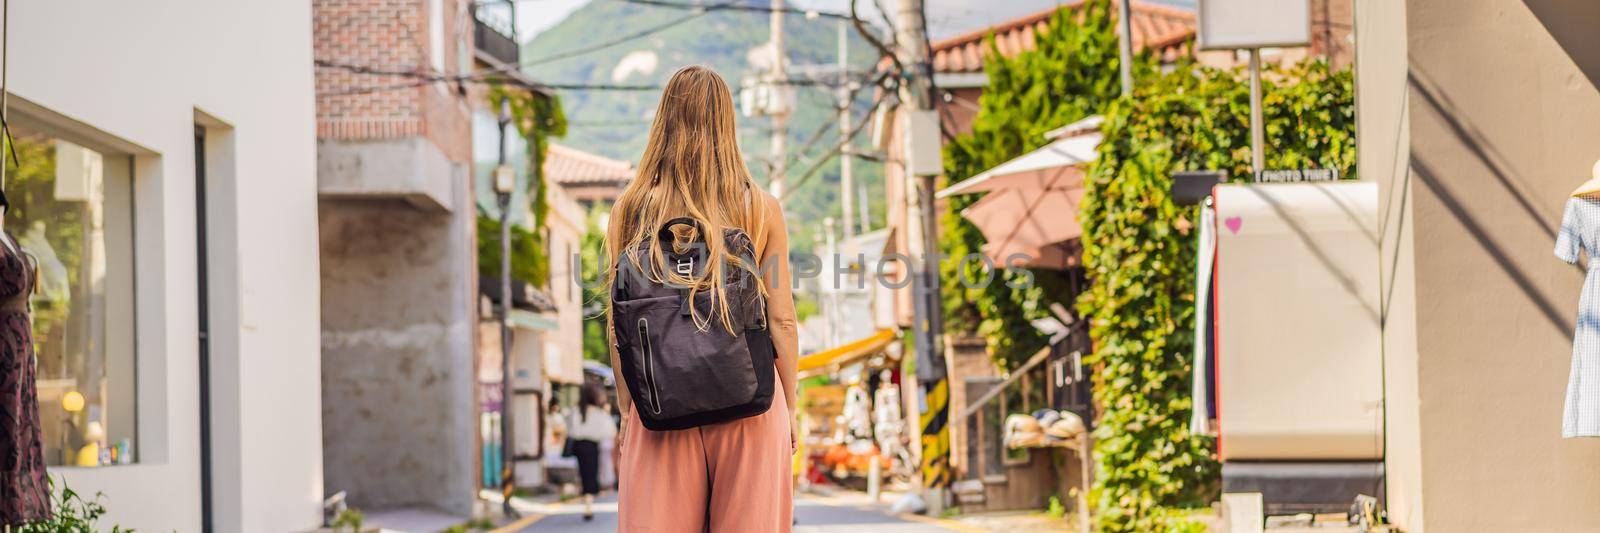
(1580, 235)
(24, 489)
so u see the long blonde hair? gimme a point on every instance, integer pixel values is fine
(691, 167)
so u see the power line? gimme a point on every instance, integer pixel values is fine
(700, 10)
(491, 77)
(607, 44)
(478, 75)
(808, 13)
(823, 128)
(426, 78)
(838, 148)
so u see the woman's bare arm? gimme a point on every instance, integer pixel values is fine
(780, 300)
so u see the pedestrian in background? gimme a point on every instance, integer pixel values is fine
(591, 426)
(556, 427)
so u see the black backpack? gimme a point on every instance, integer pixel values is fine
(678, 375)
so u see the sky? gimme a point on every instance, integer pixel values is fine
(945, 17)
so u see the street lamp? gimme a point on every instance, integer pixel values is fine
(504, 183)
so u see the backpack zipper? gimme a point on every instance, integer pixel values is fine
(649, 366)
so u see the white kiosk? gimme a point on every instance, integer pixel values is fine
(1297, 343)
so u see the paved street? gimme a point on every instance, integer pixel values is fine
(815, 514)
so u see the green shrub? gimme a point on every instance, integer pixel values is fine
(73, 513)
(1140, 258)
(348, 518)
(528, 260)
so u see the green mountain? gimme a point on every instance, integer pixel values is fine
(615, 123)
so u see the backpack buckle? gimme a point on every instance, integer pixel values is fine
(686, 266)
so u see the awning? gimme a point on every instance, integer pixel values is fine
(848, 352)
(600, 369)
(531, 320)
(523, 295)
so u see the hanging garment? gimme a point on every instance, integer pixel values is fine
(1200, 417)
(1580, 231)
(24, 491)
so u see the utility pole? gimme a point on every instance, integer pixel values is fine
(863, 208)
(780, 116)
(830, 288)
(505, 181)
(1257, 135)
(1125, 46)
(917, 98)
(847, 190)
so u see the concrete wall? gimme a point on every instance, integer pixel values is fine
(1383, 139)
(136, 78)
(398, 375)
(1481, 123)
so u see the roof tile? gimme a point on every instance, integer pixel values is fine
(1165, 28)
(570, 166)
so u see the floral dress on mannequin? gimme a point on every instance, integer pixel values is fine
(24, 489)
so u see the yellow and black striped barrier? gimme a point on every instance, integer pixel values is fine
(936, 436)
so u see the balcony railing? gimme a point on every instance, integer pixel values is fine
(491, 34)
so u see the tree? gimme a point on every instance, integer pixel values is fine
(1069, 75)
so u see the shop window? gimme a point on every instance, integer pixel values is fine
(72, 212)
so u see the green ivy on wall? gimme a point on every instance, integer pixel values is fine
(1140, 257)
(528, 261)
(1071, 74)
(537, 117)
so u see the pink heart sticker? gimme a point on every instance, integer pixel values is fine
(1233, 224)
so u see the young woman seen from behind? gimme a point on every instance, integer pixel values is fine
(732, 476)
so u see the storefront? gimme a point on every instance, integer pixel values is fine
(853, 429)
(165, 183)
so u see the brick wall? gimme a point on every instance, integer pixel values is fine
(390, 36)
(1332, 27)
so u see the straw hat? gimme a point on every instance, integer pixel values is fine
(1591, 187)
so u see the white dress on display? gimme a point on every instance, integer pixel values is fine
(1580, 231)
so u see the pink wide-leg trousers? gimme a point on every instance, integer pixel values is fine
(732, 477)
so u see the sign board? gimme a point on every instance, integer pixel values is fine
(1193, 186)
(1235, 24)
(923, 147)
(1297, 175)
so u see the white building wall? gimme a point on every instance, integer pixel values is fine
(567, 222)
(134, 75)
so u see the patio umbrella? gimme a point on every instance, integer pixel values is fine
(1032, 217)
(1031, 169)
(1032, 203)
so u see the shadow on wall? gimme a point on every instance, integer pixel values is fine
(1575, 32)
(1447, 198)
(1429, 99)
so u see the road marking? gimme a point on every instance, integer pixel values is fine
(948, 524)
(520, 524)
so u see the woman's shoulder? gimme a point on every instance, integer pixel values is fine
(767, 201)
